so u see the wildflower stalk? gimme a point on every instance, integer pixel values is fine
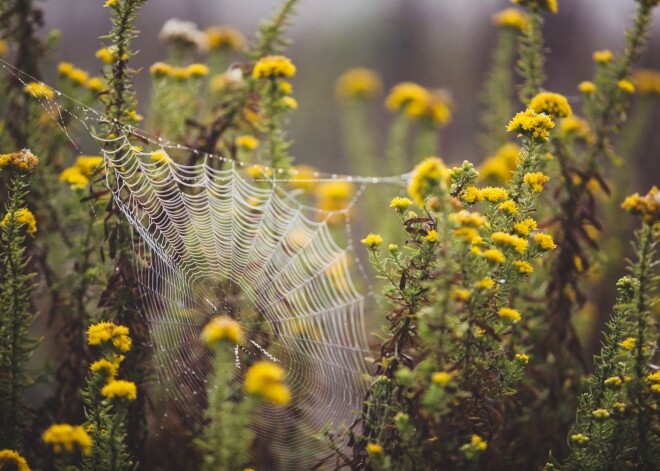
(16, 344)
(426, 143)
(531, 56)
(270, 36)
(396, 144)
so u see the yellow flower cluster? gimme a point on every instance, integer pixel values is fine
(523, 266)
(468, 223)
(266, 379)
(494, 194)
(509, 314)
(626, 86)
(525, 227)
(23, 217)
(587, 87)
(333, 196)
(576, 128)
(460, 294)
(536, 180)
(478, 443)
(4, 47)
(549, 5)
(358, 84)
(416, 102)
(501, 165)
(108, 368)
(273, 67)
(485, 283)
(400, 204)
(509, 206)
(163, 70)
(431, 236)
(222, 328)
(429, 176)
(629, 343)
(78, 76)
(120, 389)
(494, 255)
(104, 332)
(544, 241)
(532, 125)
(517, 243)
(647, 206)
(11, 460)
(374, 449)
(442, 378)
(65, 438)
(603, 57)
(580, 439)
(78, 175)
(224, 38)
(372, 240)
(108, 55)
(510, 18)
(247, 142)
(522, 358)
(23, 160)
(552, 104)
(648, 82)
(39, 90)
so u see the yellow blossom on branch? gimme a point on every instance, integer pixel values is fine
(65, 438)
(587, 87)
(429, 177)
(509, 206)
(603, 57)
(552, 104)
(374, 449)
(485, 283)
(494, 194)
(536, 180)
(626, 85)
(222, 328)
(549, 5)
(400, 204)
(273, 67)
(108, 368)
(39, 90)
(523, 266)
(372, 241)
(266, 379)
(509, 314)
(104, 332)
(120, 389)
(494, 255)
(358, 84)
(544, 241)
(23, 160)
(11, 460)
(532, 125)
(513, 241)
(247, 142)
(23, 217)
(510, 18)
(224, 38)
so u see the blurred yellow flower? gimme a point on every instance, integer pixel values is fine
(197, 70)
(626, 85)
(224, 38)
(603, 56)
(544, 241)
(11, 460)
(358, 83)
(38, 90)
(523, 267)
(552, 104)
(222, 328)
(501, 165)
(510, 18)
(23, 217)
(647, 82)
(266, 379)
(65, 438)
(429, 177)
(587, 87)
(494, 255)
(509, 314)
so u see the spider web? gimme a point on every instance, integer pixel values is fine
(210, 240)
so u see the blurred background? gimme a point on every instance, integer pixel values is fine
(437, 43)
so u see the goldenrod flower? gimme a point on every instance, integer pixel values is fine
(74, 177)
(647, 82)
(197, 70)
(523, 266)
(509, 206)
(266, 379)
(522, 358)
(472, 194)
(110, 3)
(108, 55)
(525, 227)
(161, 156)
(552, 104)
(485, 283)
(620, 407)
(38, 90)
(579, 439)
(626, 85)
(647, 206)
(224, 38)
(501, 165)
(160, 69)
(549, 5)
(536, 180)
(358, 84)
(23, 217)
(478, 443)
(120, 389)
(429, 177)
(431, 236)
(576, 128)
(180, 74)
(11, 460)
(372, 241)
(603, 57)
(442, 378)
(532, 125)
(95, 84)
(87, 164)
(108, 368)
(467, 218)
(285, 87)
(290, 102)
(509, 314)
(400, 204)
(655, 376)
(587, 87)
(629, 343)
(510, 18)
(613, 382)
(23, 160)
(103, 332)
(393, 248)
(222, 328)
(273, 67)
(600, 414)
(544, 241)
(460, 294)
(513, 241)
(494, 194)
(247, 142)
(655, 389)
(333, 196)
(494, 255)
(65, 438)
(374, 449)
(404, 94)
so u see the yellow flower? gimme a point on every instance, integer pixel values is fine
(523, 267)
(104, 332)
(78, 76)
(434, 107)
(400, 204)
(459, 294)
(509, 314)
(603, 56)
(405, 94)
(247, 142)
(3, 48)
(95, 84)
(372, 241)
(544, 241)
(9, 459)
(74, 177)
(501, 165)
(161, 69)
(180, 74)
(626, 85)
(333, 196)
(285, 87)
(472, 195)
(374, 449)
(549, 5)
(431, 236)
(587, 87)
(358, 84)
(513, 241)
(226, 38)
(629, 343)
(536, 180)
(290, 102)
(647, 82)
(160, 156)
(522, 358)
(23, 217)
(478, 443)
(393, 248)
(600, 414)
(552, 104)
(266, 379)
(531, 125)
(655, 389)
(613, 382)
(197, 70)
(647, 206)
(509, 206)
(273, 67)
(469, 219)
(655, 376)
(442, 378)
(576, 128)
(23, 160)
(429, 177)
(38, 90)
(525, 227)
(120, 389)
(65, 438)
(110, 3)
(108, 55)
(494, 255)
(485, 283)
(580, 439)
(108, 368)
(510, 18)
(221, 328)
(87, 164)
